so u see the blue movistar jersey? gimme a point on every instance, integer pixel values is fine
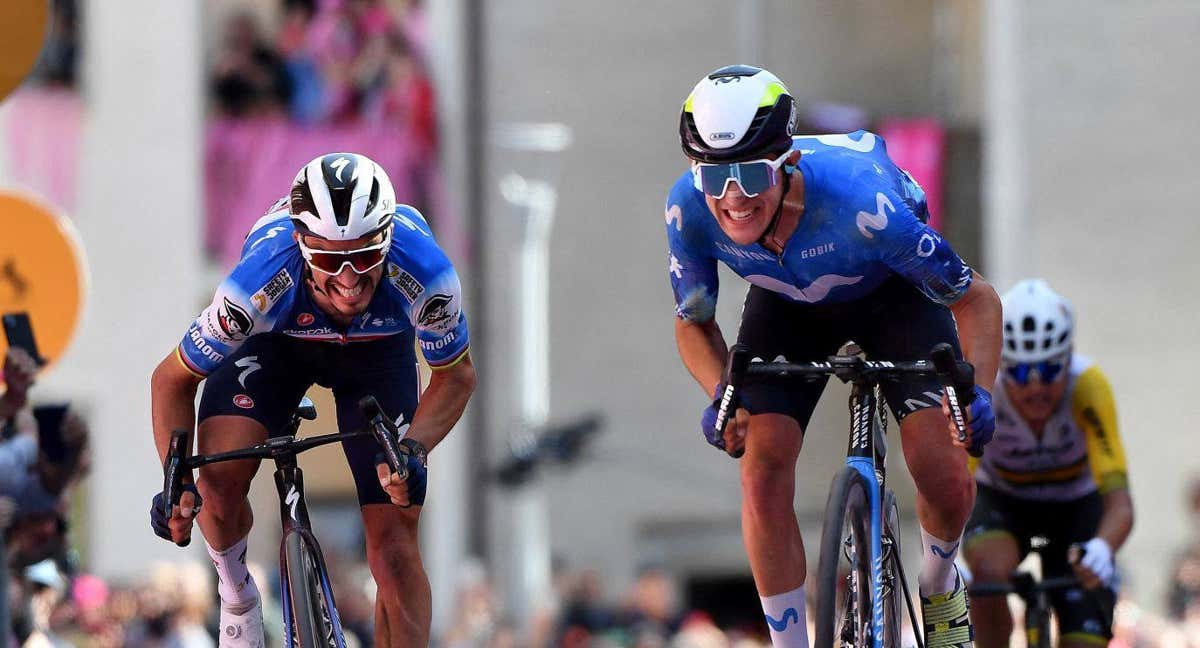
(265, 293)
(864, 219)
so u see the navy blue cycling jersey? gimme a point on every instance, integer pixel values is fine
(265, 293)
(864, 220)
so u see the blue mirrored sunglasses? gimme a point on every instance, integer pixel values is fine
(1046, 370)
(753, 177)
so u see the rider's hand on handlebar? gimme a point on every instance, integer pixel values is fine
(1095, 566)
(733, 442)
(411, 490)
(178, 527)
(981, 421)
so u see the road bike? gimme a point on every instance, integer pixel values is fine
(309, 613)
(859, 570)
(1035, 592)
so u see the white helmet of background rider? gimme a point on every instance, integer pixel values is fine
(1039, 323)
(342, 197)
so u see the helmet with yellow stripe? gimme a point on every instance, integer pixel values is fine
(738, 112)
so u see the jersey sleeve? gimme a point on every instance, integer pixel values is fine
(891, 218)
(243, 306)
(1095, 412)
(438, 318)
(691, 266)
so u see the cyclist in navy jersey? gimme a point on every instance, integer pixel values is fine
(833, 239)
(336, 286)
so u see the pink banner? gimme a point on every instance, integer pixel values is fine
(919, 146)
(42, 129)
(248, 164)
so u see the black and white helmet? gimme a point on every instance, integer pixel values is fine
(341, 197)
(1039, 323)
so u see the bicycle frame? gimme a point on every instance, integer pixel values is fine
(293, 512)
(866, 453)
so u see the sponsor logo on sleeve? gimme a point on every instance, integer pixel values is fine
(304, 319)
(436, 315)
(266, 296)
(877, 221)
(440, 343)
(404, 282)
(196, 338)
(234, 321)
(243, 401)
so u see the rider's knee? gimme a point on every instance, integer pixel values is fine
(223, 490)
(766, 486)
(395, 566)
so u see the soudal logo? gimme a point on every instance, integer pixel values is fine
(305, 319)
(234, 320)
(438, 345)
(243, 401)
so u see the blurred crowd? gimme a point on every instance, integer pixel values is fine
(329, 61)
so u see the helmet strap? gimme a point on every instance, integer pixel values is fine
(770, 231)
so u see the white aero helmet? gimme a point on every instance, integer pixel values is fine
(738, 112)
(1039, 323)
(341, 197)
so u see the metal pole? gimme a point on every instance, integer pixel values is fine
(529, 583)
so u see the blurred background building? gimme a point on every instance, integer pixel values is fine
(1054, 136)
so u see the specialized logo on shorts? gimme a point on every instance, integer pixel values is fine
(305, 319)
(404, 282)
(435, 314)
(243, 401)
(877, 221)
(249, 365)
(234, 320)
(266, 296)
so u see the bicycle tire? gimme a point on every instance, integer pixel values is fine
(311, 625)
(847, 525)
(893, 612)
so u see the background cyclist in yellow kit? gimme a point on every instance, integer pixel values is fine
(1055, 468)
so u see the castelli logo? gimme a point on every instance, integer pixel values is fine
(243, 401)
(304, 319)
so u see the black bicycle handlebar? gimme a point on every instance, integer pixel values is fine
(173, 469)
(385, 433)
(178, 462)
(958, 377)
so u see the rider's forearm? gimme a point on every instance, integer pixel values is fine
(442, 403)
(979, 320)
(703, 351)
(172, 401)
(1117, 521)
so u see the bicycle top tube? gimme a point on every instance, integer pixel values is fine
(272, 448)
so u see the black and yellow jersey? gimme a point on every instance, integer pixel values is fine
(1078, 452)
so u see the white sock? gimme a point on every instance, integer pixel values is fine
(787, 619)
(234, 583)
(937, 564)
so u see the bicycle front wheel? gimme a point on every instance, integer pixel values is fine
(844, 570)
(312, 612)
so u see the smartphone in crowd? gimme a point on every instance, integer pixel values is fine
(19, 333)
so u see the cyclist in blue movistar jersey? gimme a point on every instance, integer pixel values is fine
(336, 286)
(833, 238)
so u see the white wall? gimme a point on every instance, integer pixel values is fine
(1103, 142)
